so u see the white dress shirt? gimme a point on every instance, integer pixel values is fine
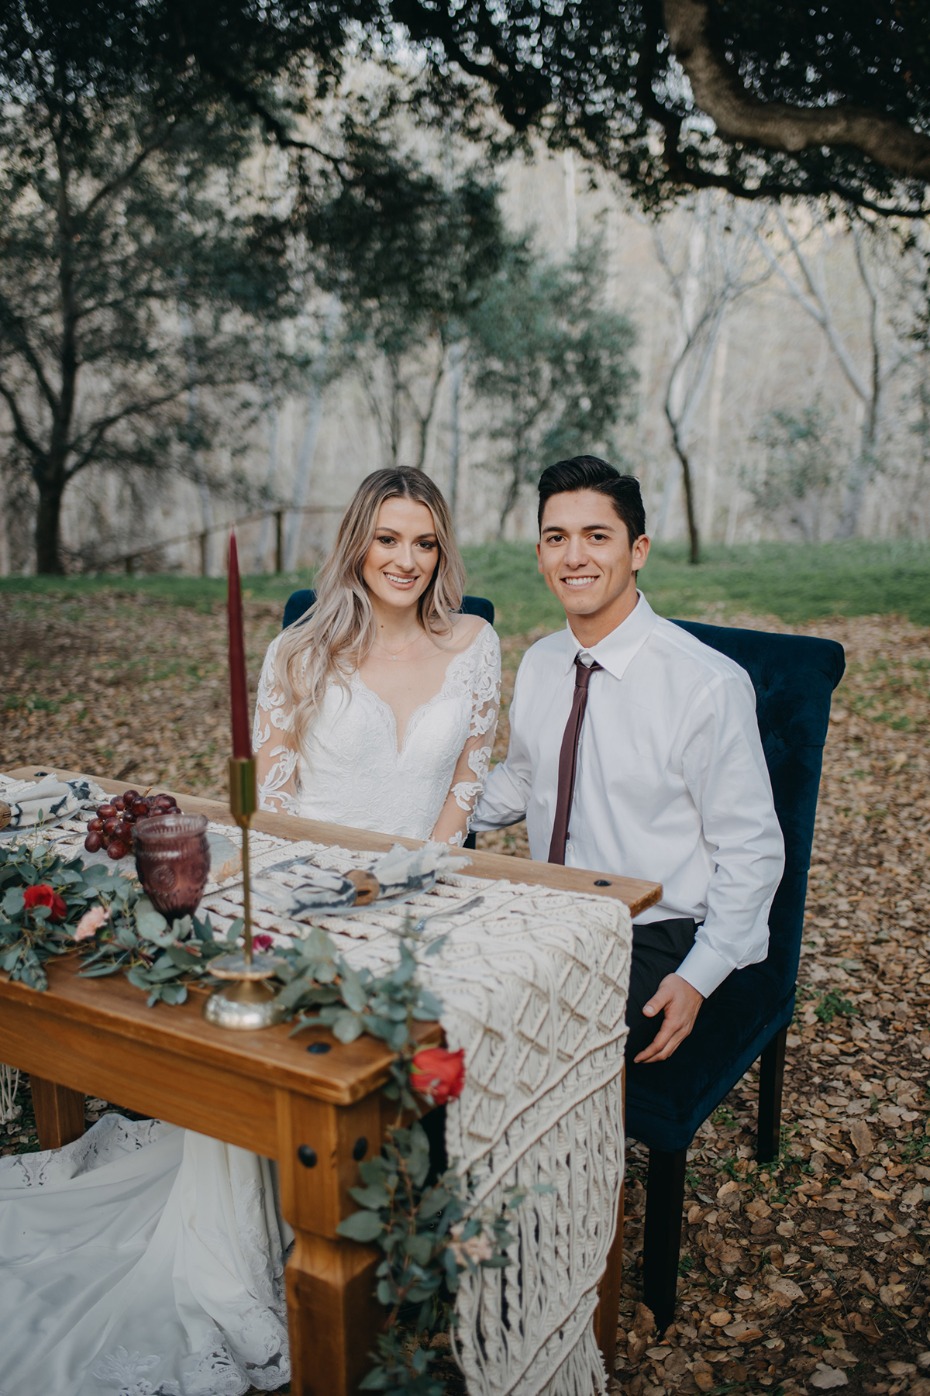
(671, 783)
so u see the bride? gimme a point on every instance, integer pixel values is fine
(146, 1260)
(378, 709)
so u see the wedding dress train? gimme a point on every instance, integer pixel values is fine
(141, 1260)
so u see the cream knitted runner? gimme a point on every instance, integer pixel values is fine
(533, 984)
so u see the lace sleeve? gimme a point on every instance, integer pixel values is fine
(275, 761)
(471, 769)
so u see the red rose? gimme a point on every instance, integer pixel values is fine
(43, 895)
(441, 1074)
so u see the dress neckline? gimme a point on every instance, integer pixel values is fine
(414, 718)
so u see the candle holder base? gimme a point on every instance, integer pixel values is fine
(248, 1001)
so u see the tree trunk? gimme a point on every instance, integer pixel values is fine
(457, 366)
(48, 525)
(694, 541)
(510, 500)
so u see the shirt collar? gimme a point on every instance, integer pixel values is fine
(615, 652)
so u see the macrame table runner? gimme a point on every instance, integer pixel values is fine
(533, 983)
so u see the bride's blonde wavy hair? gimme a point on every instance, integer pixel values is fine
(337, 633)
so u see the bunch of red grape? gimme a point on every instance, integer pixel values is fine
(111, 826)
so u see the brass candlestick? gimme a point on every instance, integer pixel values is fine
(248, 1000)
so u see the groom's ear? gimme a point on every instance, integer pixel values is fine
(538, 559)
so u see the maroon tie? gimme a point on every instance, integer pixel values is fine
(568, 760)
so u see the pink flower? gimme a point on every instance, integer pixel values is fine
(262, 941)
(472, 1251)
(43, 895)
(91, 922)
(441, 1073)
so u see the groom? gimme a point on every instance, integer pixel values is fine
(635, 748)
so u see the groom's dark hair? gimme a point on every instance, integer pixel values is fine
(591, 473)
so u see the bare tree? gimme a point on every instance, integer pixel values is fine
(707, 269)
(868, 362)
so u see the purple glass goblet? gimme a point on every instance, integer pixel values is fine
(173, 861)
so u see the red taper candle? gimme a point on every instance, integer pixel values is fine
(238, 690)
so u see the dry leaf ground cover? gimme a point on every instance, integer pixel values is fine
(807, 1275)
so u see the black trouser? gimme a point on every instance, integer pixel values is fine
(658, 950)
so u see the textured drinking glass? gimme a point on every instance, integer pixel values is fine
(173, 861)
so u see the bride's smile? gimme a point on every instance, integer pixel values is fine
(402, 557)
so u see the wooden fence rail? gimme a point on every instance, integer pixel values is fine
(127, 561)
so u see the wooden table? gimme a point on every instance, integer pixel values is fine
(318, 1116)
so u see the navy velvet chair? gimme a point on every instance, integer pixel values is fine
(747, 1017)
(299, 602)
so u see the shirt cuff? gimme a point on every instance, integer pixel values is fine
(703, 968)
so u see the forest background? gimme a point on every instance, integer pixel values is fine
(250, 255)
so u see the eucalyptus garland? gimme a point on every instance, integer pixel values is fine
(52, 905)
(426, 1226)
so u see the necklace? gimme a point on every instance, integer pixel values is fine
(399, 652)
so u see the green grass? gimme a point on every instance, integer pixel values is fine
(200, 592)
(791, 582)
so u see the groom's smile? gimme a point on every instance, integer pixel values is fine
(588, 561)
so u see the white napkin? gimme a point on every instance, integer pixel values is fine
(317, 889)
(403, 866)
(48, 800)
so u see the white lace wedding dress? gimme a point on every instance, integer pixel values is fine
(351, 769)
(146, 1260)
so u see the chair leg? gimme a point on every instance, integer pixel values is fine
(607, 1313)
(665, 1195)
(771, 1081)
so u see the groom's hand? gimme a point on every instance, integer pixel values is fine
(679, 1002)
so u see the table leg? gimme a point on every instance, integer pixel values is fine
(607, 1313)
(59, 1112)
(333, 1315)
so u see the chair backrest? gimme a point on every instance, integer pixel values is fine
(299, 603)
(794, 677)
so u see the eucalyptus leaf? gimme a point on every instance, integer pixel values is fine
(347, 1026)
(353, 992)
(378, 1379)
(163, 968)
(419, 1248)
(435, 1201)
(33, 975)
(174, 993)
(372, 1196)
(361, 1226)
(182, 959)
(373, 1170)
(97, 873)
(429, 1006)
(151, 925)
